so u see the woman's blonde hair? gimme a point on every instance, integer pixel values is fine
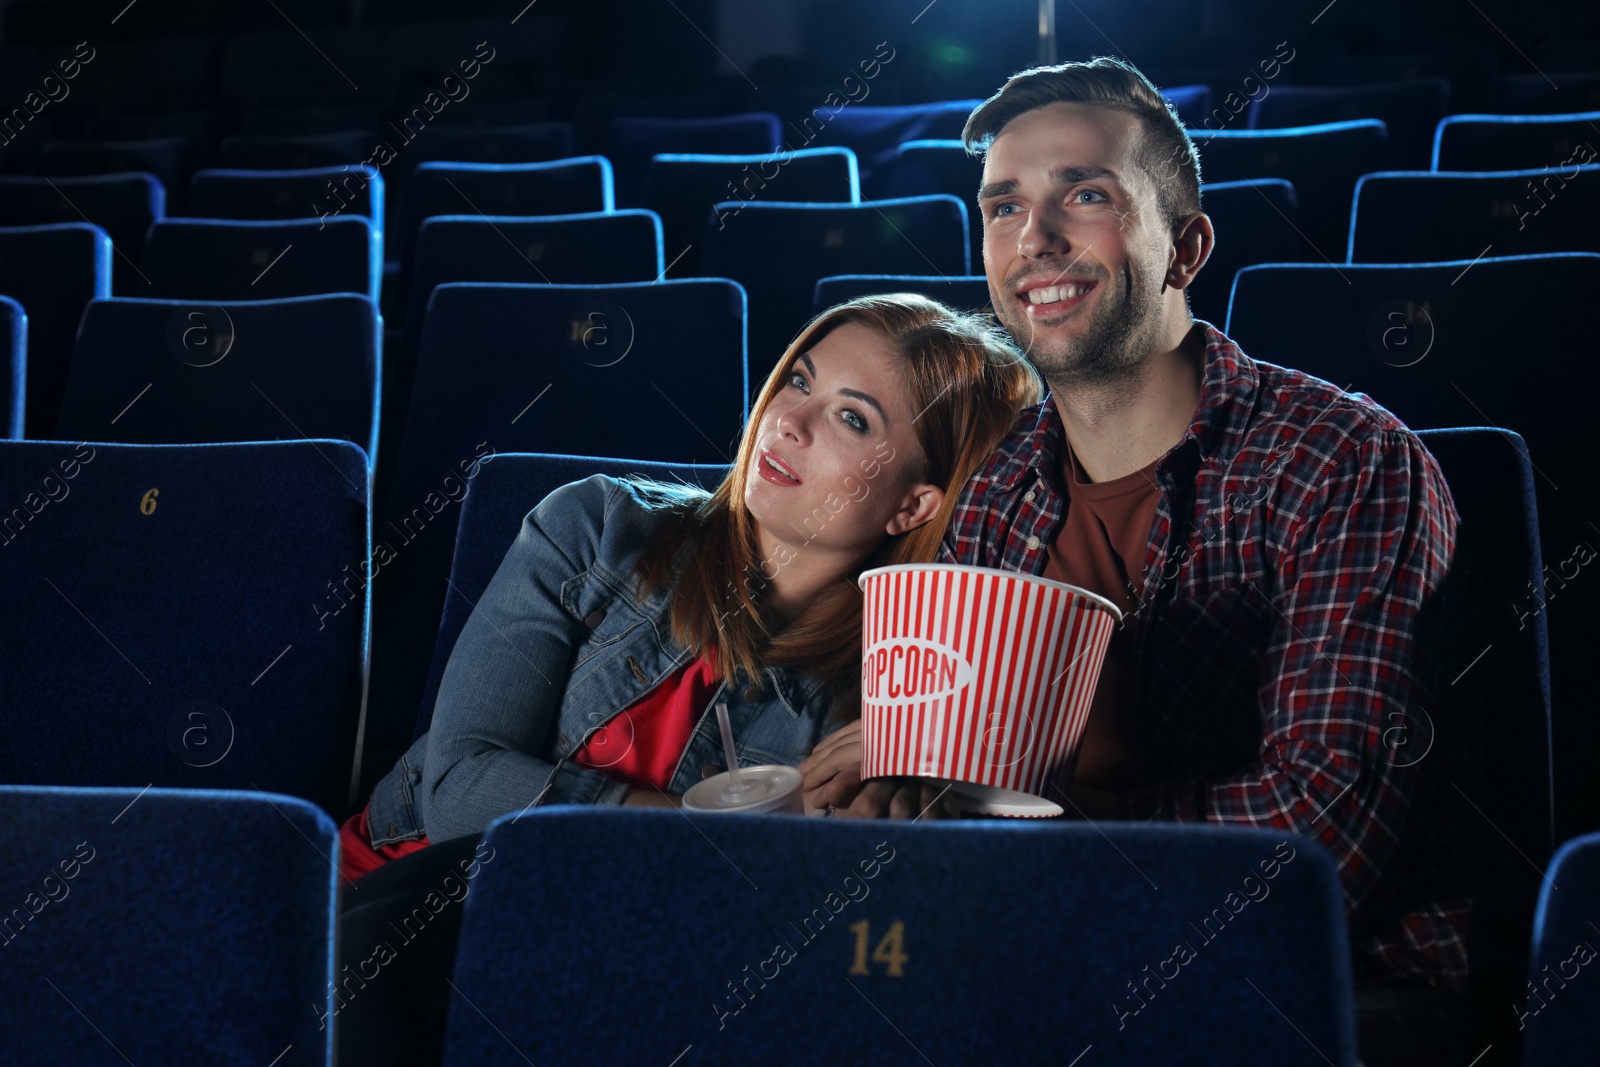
(967, 382)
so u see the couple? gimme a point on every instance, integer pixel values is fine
(1255, 674)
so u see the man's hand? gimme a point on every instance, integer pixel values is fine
(832, 775)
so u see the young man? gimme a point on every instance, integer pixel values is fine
(1278, 546)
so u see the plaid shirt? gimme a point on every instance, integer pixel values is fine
(1281, 634)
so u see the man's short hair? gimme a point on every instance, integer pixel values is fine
(1165, 152)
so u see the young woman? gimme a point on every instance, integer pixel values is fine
(625, 612)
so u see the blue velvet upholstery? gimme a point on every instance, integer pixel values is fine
(632, 142)
(297, 151)
(170, 160)
(192, 616)
(1409, 109)
(318, 192)
(123, 205)
(53, 272)
(1560, 1005)
(875, 134)
(13, 367)
(491, 516)
(1510, 142)
(655, 371)
(920, 168)
(166, 926)
(778, 251)
(1462, 344)
(588, 249)
(1322, 162)
(961, 293)
(218, 259)
(683, 189)
(1418, 216)
(576, 186)
(1255, 223)
(779, 940)
(260, 370)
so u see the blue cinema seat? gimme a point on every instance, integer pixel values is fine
(1420, 216)
(778, 251)
(171, 372)
(1410, 110)
(793, 940)
(53, 272)
(123, 205)
(491, 516)
(652, 371)
(1322, 162)
(264, 195)
(683, 189)
(1559, 1006)
(188, 616)
(876, 133)
(1514, 142)
(166, 926)
(576, 186)
(632, 142)
(223, 259)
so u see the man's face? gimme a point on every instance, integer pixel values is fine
(1074, 245)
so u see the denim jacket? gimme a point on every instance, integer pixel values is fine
(559, 645)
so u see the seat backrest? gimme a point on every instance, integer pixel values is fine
(1432, 342)
(653, 371)
(1423, 216)
(577, 186)
(875, 133)
(1513, 142)
(1410, 109)
(138, 918)
(300, 151)
(190, 616)
(170, 372)
(14, 369)
(221, 259)
(1322, 162)
(960, 293)
(632, 142)
(263, 195)
(683, 189)
(911, 235)
(53, 272)
(170, 159)
(1255, 222)
(928, 166)
(900, 943)
(123, 205)
(502, 495)
(1559, 1007)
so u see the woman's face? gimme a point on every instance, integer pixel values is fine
(834, 451)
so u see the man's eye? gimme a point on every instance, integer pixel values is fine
(1001, 210)
(1090, 192)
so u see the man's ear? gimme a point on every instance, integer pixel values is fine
(920, 505)
(1192, 242)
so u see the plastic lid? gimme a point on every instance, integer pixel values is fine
(764, 789)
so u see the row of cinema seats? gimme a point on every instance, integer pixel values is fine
(242, 552)
(660, 370)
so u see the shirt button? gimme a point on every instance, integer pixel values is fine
(1028, 496)
(1033, 544)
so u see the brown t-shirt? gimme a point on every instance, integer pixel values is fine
(1101, 547)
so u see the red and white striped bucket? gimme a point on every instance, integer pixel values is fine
(977, 675)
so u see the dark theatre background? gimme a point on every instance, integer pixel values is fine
(298, 298)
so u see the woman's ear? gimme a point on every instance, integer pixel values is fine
(920, 505)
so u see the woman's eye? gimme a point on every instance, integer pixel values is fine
(798, 380)
(854, 421)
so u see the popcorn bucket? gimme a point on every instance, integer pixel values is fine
(979, 676)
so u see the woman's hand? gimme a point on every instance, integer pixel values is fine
(832, 775)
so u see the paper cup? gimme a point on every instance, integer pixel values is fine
(978, 676)
(768, 788)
